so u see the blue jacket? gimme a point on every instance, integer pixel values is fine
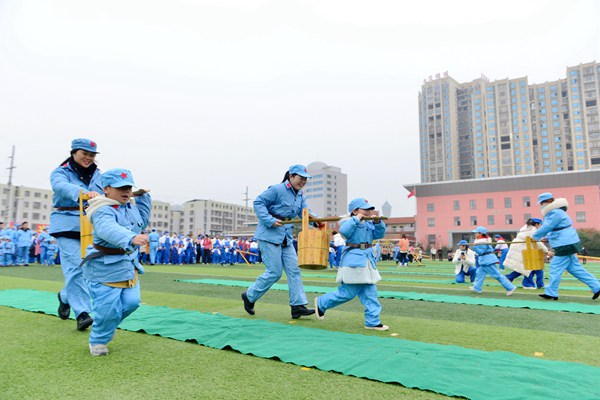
(280, 200)
(66, 185)
(44, 239)
(153, 237)
(357, 232)
(485, 252)
(554, 220)
(115, 227)
(24, 238)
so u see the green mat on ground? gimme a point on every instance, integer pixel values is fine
(440, 282)
(449, 370)
(436, 298)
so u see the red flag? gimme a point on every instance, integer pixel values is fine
(411, 194)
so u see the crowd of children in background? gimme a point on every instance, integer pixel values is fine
(19, 245)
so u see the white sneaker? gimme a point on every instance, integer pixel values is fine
(528, 288)
(510, 292)
(379, 327)
(318, 311)
(98, 350)
(473, 289)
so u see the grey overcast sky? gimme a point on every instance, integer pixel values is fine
(203, 98)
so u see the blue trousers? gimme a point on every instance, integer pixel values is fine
(492, 271)
(153, 251)
(111, 306)
(75, 292)
(43, 256)
(22, 255)
(460, 277)
(277, 259)
(367, 294)
(570, 263)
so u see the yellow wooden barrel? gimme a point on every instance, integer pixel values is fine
(533, 257)
(85, 226)
(313, 246)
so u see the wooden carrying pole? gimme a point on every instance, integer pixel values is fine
(327, 219)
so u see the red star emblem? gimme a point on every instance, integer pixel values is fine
(305, 170)
(366, 201)
(123, 175)
(93, 144)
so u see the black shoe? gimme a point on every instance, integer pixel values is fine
(596, 295)
(547, 297)
(298, 311)
(84, 321)
(248, 306)
(64, 310)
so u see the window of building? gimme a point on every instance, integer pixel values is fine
(507, 202)
(473, 220)
(490, 204)
(431, 222)
(456, 205)
(508, 219)
(526, 201)
(35, 216)
(580, 216)
(491, 220)
(37, 194)
(472, 204)
(579, 199)
(430, 207)
(456, 221)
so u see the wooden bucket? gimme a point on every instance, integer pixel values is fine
(533, 257)
(86, 229)
(313, 246)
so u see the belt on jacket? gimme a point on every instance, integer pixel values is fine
(109, 250)
(102, 251)
(560, 229)
(361, 246)
(68, 208)
(279, 217)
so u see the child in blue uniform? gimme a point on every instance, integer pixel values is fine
(111, 265)
(51, 250)
(357, 271)
(486, 262)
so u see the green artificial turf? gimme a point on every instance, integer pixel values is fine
(44, 357)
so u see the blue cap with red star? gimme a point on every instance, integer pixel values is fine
(117, 178)
(84, 144)
(299, 170)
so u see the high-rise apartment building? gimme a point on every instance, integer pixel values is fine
(327, 192)
(508, 127)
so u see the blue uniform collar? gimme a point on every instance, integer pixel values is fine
(290, 187)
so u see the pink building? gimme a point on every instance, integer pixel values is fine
(448, 211)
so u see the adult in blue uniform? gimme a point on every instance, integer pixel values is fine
(23, 241)
(357, 272)
(111, 265)
(565, 242)
(153, 238)
(280, 202)
(77, 173)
